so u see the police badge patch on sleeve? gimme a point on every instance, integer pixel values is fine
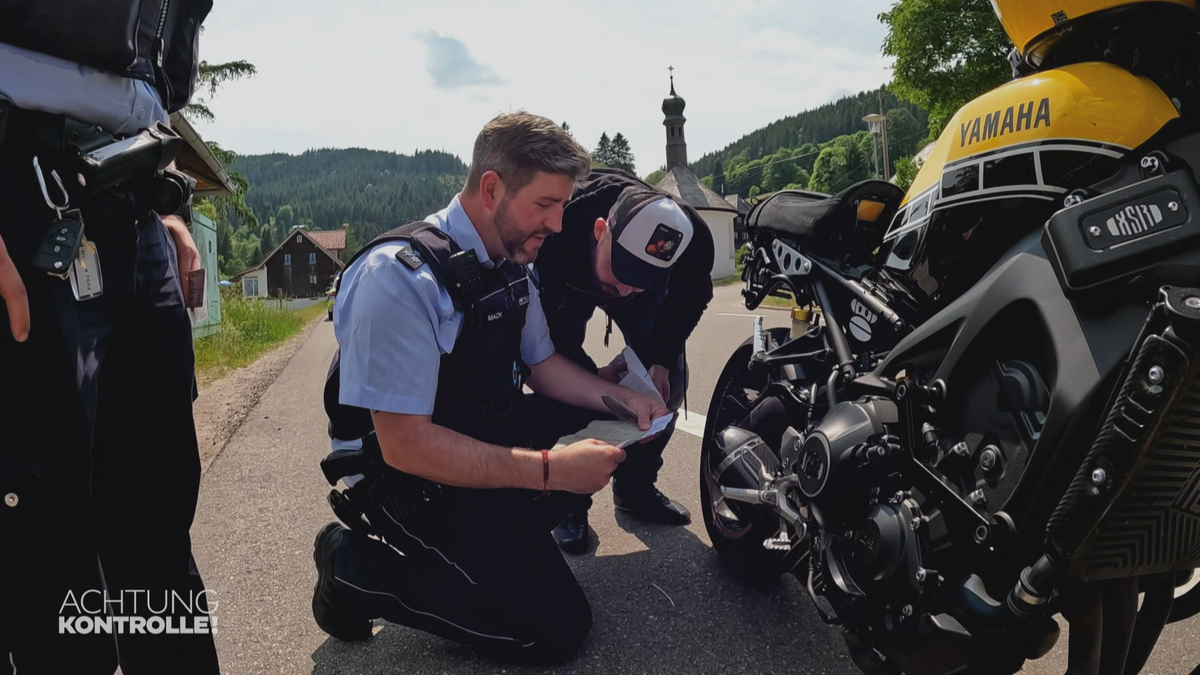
(664, 243)
(410, 257)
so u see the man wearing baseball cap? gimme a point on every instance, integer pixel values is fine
(646, 261)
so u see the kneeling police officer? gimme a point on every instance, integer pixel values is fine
(439, 327)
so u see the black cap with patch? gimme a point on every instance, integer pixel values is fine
(650, 232)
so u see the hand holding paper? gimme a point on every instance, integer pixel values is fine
(638, 378)
(625, 431)
(617, 432)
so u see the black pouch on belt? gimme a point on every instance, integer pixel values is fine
(146, 154)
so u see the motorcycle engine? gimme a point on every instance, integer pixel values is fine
(881, 559)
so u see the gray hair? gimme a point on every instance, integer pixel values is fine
(519, 145)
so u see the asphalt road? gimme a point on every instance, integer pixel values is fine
(661, 600)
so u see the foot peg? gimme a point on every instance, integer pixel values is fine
(780, 542)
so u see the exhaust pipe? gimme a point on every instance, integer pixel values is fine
(743, 466)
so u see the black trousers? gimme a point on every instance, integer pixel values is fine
(99, 468)
(475, 566)
(479, 567)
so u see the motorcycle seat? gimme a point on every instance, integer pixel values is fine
(806, 215)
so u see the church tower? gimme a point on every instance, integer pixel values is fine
(672, 108)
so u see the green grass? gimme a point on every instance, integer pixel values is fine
(727, 281)
(249, 328)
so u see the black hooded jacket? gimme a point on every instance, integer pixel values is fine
(659, 324)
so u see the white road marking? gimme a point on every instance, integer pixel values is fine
(693, 424)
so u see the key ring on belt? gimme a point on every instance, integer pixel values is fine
(57, 208)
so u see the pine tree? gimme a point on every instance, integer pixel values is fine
(603, 152)
(621, 153)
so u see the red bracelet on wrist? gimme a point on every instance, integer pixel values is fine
(545, 472)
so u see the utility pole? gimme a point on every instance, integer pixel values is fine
(877, 123)
(887, 165)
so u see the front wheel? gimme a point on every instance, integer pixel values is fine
(738, 541)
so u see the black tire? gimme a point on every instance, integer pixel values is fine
(739, 543)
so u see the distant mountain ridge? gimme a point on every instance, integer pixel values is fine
(373, 190)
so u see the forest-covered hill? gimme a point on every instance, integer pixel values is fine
(369, 189)
(819, 125)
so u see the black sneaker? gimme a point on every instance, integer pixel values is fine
(652, 506)
(328, 608)
(572, 533)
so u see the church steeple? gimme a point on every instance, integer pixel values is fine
(674, 120)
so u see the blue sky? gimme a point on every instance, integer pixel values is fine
(427, 75)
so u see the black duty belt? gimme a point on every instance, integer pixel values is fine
(91, 161)
(53, 135)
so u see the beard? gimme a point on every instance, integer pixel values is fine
(512, 238)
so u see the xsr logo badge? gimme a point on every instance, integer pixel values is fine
(861, 322)
(1134, 219)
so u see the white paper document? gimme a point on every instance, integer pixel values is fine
(638, 378)
(616, 432)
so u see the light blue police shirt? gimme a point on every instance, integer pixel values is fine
(394, 323)
(36, 81)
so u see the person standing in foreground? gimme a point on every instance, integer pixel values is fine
(99, 466)
(646, 260)
(439, 328)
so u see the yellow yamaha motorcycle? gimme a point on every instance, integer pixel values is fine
(993, 422)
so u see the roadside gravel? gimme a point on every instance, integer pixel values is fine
(224, 404)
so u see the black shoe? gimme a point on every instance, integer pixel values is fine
(572, 533)
(328, 607)
(652, 506)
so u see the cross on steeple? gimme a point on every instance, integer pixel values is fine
(672, 69)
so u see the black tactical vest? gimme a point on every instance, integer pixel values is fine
(479, 389)
(152, 40)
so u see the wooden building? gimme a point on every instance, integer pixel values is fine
(298, 268)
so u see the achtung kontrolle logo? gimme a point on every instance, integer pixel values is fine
(138, 612)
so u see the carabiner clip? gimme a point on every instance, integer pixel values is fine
(57, 208)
